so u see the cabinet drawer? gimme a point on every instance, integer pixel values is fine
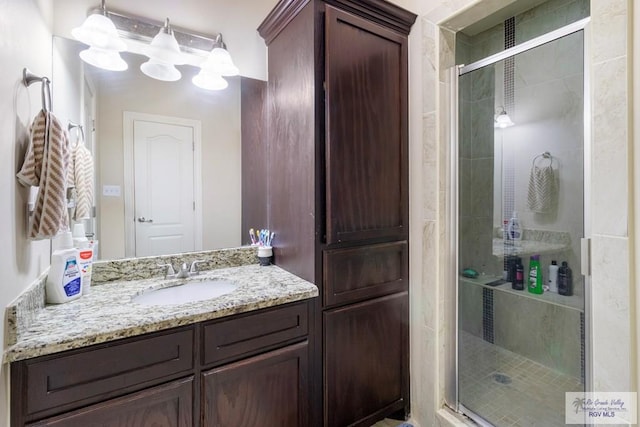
(228, 339)
(168, 405)
(86, 376)
(355, 274)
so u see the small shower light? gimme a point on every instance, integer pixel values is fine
(502, 120)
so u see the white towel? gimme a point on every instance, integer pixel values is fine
(543, 189)
(45, 165)
(82, 178)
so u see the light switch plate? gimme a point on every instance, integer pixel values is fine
(111, 190)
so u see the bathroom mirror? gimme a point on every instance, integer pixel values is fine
(201, 182)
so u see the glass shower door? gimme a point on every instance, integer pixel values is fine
(521, 320)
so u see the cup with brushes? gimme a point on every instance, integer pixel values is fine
(262, 239)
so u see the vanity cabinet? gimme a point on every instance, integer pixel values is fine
(244, 370)
(365, 362)
(168, 405)
(74, 379)
(273, 390)
(366, 173)
(338, 194)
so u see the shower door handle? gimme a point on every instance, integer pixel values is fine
(585, 256)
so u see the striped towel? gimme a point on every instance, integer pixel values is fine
(81, 174)
(45, 166)
(543, 189)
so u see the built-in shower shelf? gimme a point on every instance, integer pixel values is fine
(574, 302)
(526, 247)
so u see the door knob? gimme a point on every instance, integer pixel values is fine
(143, 219)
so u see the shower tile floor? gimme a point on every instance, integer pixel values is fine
(507, 389)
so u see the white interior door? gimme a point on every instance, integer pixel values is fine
(163, 188)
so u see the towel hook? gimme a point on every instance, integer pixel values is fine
(28, 78)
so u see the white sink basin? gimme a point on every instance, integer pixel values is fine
(189, 292)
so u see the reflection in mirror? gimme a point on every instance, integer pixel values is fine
(167, 155)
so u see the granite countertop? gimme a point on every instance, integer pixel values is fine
(108, 312)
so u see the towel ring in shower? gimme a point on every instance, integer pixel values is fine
(28, 78)
(546, 155)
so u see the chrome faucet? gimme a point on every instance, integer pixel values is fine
(183, 272)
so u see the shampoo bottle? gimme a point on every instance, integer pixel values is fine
(552, 280)
(64, 281)
(519, 285)
(514, 229)
(505, 230)
(535, 275)
(565, 280)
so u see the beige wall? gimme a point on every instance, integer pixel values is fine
(219, 115)
(614, 294)
(25, 41)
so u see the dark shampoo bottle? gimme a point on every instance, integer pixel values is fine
(565, 280)
(519, 282)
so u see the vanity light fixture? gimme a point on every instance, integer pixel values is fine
(217, 65)
(209, 80)
(105, 45)
(165, 45)
(219, 60)
(502, 119)
(105, 59)
(164, 54)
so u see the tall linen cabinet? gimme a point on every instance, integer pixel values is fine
(337, 190)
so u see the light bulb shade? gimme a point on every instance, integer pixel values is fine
(210, 81)
(219, 62)
(103, 58)
(160, 71)
(503, 120)
(164, 48)
(98, 31)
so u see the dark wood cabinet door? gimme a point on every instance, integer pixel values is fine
(168, 405)
(366, 130)
(267, 390)
(363, 272)
(366, 361)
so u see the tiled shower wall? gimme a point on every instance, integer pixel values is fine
(476, 172)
